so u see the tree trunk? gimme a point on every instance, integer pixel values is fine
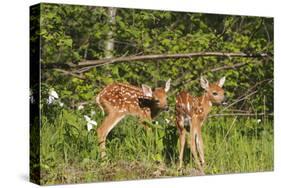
(109, 43)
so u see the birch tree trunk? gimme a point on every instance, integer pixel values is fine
(109, 43)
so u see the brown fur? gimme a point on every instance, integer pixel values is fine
(119, 100)
(195, 110)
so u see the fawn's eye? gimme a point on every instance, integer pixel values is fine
(215, 93)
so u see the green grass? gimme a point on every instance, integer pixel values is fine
(69, 153)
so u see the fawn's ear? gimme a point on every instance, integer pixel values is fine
(168, 85)
(204, 83)
(221, 81)
(146, 90)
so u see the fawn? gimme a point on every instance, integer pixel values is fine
(194, 110)
(118, 100)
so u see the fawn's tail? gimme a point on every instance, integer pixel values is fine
(99, 104)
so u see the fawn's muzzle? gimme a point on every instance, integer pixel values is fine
(224, 102)
(166, 108)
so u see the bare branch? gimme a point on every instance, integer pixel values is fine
(228, 67)
(167, 56)
(95, 63)
(247, 94)
(238, 100)
(70, 73)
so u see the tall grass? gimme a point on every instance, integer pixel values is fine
(69, 153)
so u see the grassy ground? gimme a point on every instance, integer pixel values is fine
(69, 153)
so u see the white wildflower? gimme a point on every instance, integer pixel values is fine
(53, 93)
(52, 96)
(50, 100)
(90, 122)
(87, 118)
(89, 126)
(80, 107)
(156, 122)
(93, 122)
(259, 120)
(61, 104)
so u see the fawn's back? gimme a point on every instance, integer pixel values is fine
(121, 97)
(128, 99)
(188, 106)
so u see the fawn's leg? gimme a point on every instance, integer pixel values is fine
(106, 126)
(180, 125)
(200, 146)
(194, 140)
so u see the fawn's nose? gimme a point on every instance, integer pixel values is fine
(224, 102)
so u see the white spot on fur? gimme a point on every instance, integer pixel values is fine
(122, 110)
(188, 106)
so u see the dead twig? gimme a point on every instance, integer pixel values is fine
(70, 73)
(238, 100)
